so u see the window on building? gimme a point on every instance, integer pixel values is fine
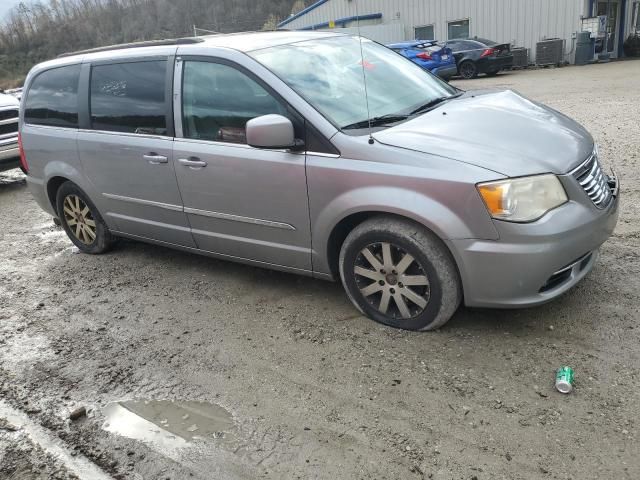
(129, 97)
(53, 98)
(425, 32)
(219, 100)
(458, 29)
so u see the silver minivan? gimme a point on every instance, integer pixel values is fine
(321, 154)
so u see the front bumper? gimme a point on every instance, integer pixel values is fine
(534, 263)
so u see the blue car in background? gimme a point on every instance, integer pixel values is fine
(428, 54)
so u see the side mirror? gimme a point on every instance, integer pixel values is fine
(271, 131)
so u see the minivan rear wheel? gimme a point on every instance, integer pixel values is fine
(81, 220)
(400, 274)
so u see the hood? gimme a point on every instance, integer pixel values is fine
(497, 130)
(8, 100)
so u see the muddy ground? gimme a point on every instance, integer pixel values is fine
(313, 389)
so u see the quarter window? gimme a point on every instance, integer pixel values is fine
(53, 98)
(458, 29)
(218, 101)
(129, 97)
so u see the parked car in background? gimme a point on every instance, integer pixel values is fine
(479, 55)
(16, 92)
(241, 147)
(9, 151)
(429, 55)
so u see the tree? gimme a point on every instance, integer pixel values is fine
(42, 29)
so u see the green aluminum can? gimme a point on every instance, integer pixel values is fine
(564, 379)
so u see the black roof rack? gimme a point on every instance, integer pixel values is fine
(148, 43)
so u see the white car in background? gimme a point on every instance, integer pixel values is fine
(9, 150)
(16, 92)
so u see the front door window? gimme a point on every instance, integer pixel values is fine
(219, 100)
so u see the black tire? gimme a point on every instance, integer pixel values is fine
(101, 240)
(431, 259)
(468, 69)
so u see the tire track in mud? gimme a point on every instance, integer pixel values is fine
(78, 464)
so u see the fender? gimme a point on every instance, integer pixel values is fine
(437, 217)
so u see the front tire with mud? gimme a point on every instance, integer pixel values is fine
(400, 274)
(81, 220)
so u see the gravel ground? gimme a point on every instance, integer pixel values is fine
(314, 389)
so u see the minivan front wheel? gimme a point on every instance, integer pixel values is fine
(400, 274)
(81, 220)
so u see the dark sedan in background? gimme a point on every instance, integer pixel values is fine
(479, 55)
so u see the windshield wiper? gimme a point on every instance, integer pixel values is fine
(433, 103)
(376, 121)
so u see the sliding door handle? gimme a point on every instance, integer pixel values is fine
(154, 159)
(193, 162)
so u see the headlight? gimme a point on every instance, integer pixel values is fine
(522, 199)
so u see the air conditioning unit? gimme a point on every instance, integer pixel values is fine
(520, 57)
(550, 52)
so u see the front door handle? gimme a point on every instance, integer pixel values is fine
(154, 159)
(193, 162)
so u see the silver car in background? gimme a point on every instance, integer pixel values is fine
(9, 150)
(263, 148)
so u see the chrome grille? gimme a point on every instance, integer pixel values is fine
(8, 123)
(594, 181)
(7, 114)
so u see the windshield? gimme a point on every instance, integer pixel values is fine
(328, 73)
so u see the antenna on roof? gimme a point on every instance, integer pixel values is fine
(364, 74)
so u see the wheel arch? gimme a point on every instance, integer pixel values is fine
(342, 228)
(53, 185)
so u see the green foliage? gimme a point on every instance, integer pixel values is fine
(42, 30)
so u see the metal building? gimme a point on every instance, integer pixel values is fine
(523, 23)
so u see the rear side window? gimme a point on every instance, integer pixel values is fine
(129, 97)
(53, 98)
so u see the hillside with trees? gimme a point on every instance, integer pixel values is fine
(34, 32)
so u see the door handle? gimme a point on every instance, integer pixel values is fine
(192, 162)
(154, 159)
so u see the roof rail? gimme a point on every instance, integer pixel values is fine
(147, 43)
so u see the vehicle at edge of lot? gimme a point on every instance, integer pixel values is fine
(478, 55)
(430, 55)
(9, 149)
(16, 92)
(239, 147)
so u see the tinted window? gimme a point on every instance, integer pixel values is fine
(463, 46)
(218, 101)
(455, 46)
(129, 97)
(486, 42)
(474, 45)
(53, 98)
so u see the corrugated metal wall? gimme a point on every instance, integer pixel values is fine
(521, 22)
(381, 33)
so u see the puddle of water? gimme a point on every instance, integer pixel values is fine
(168, 424)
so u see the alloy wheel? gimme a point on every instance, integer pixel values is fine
(79, 219)
(392, 280)
(467, 70)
